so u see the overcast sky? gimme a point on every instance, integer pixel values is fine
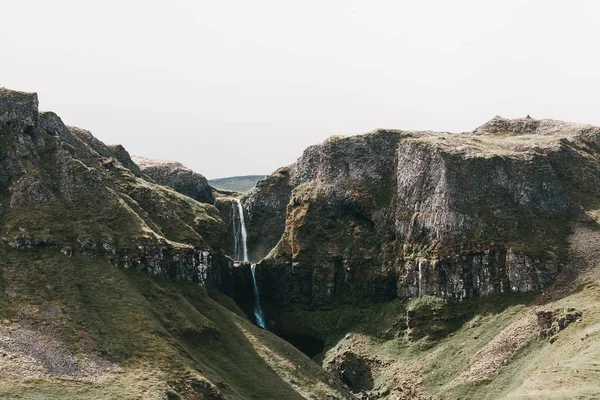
(242, 87)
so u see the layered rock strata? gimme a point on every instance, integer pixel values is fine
(402, 213)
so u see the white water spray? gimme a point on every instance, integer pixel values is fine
(241, 254)
(258, 311)
(239, 232)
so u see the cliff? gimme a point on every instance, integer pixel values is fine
(402, 214)
(409, 264)
(421, 265)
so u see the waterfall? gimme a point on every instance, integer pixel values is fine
(258, 311)
(241, 254)
(239, 232)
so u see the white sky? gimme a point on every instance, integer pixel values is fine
(242, 87)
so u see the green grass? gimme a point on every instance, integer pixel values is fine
(90, 202)
(538, 369)
(240, 184)
(128, 318)
(388, 321)
(562, 370)
(140, 324)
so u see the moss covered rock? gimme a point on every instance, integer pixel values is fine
(403, 213)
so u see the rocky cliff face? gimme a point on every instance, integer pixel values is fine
(266, 205)
(177, 177)
(62, 188)
(402, 214)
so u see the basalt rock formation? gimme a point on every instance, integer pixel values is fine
(428, 264)
(402, 214)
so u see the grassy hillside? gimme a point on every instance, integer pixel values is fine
(75, 327)
(236, 183)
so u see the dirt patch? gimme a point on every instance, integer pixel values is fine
(486, 363)
(404, 381)
(26, 354)
(583, 264)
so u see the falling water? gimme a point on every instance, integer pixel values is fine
(258, 311)
(239, 232)
(241, 254)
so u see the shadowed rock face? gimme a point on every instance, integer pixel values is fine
(401, 214)
(265, 206)
(353, 370)
(177, 177)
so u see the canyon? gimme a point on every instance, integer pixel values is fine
(390, 265)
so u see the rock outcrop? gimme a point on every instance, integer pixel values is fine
(177, 177)
(266, 205)
(353, 370)
(402, 213)
(18, 108)
(552, 322)
(62, 188)
(123, 156)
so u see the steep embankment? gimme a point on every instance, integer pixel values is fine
(417, 258)
(109, 281)
(79, 328)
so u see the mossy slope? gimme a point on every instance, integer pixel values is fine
(173, 335)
